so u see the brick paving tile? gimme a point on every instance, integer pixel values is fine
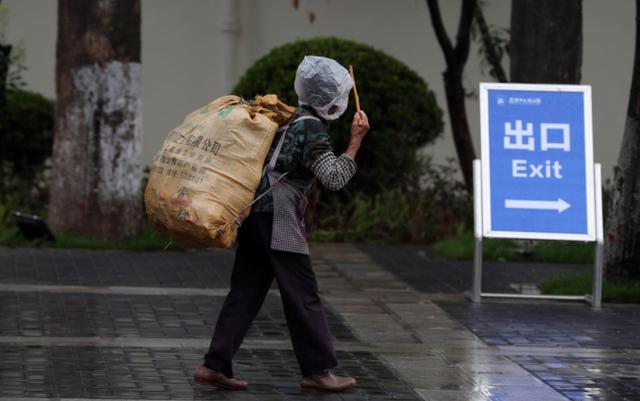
(579, 378)
(81, 315)
(138, 373)
(569, 347)
(401, 345)
(418, 268)
(549, 324)
(202, 269)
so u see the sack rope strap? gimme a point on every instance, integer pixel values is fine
(268, 168)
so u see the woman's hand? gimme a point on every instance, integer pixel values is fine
(359, 126)
(359, 129)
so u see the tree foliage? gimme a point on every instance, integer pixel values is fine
(403, 112)
(29, 128)
(493, 44)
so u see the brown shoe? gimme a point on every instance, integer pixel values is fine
(205, 375)
(327, 382)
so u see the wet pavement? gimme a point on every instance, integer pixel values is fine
(550, 324)
(417, 267)
(582, 353)
(81, 314)
(78, 325)
(165, 374)
(603, 377)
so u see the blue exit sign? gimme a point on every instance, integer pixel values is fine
(537, 161)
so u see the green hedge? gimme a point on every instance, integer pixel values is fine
(29, 128)
(403, 112)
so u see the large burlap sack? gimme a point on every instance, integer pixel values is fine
(209, 169)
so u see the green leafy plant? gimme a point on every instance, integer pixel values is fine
(8, 230)
(21, 194)
(23, 174)
(149, 240)
(435, 206)
(26, 125)
(493, 44)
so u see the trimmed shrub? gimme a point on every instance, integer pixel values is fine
(29, 139)
(29, 128)
(403, 112)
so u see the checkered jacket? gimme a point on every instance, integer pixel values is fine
(307, 153)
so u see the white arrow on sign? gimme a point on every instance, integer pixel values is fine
(560, 205)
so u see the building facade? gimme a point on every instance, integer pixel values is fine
(194, 50)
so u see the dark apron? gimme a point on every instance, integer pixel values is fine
(289, 205)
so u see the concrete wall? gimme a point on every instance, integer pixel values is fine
(182, 52)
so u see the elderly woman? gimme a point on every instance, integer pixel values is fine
(272, 241)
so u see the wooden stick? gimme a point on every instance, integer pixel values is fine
(355, 92)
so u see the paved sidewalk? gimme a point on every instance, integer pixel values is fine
(584, 354)
(122, 325)
(116, 325)
(416, 266)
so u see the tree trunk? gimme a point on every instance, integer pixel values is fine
(5, 53)
(546, 41)
(459, 124)
(96, 172)
(456, 58)
(622, 253)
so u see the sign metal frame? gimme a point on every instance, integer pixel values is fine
(482, 199)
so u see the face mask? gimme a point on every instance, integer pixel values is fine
(341, 104)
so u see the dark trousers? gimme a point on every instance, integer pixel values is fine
(254, 269)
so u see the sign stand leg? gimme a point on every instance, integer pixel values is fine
(596, 302)
(476, 295)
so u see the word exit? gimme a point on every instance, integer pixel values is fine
(524, 169)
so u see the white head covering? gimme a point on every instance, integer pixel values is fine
(323, 83)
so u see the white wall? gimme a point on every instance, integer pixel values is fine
(182, 52)
(609, 44)
(181, 63)
(34, 23)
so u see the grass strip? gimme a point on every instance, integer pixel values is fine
(580, 284)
